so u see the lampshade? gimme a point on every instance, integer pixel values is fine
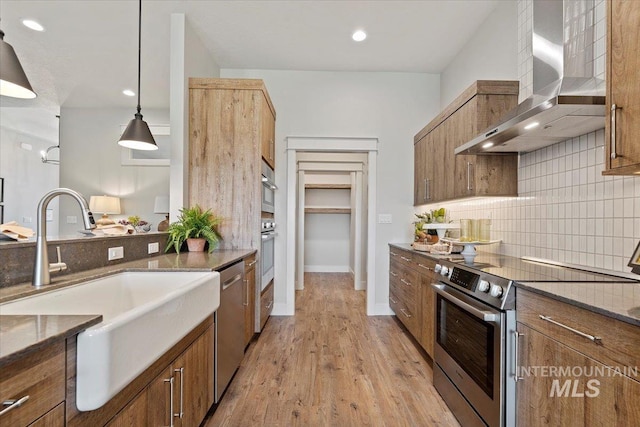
(137, 135)
(161, 205)
(13, 80)
(104, 204)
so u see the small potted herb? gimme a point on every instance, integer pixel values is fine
(196, 227)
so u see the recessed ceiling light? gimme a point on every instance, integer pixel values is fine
(30, 23)
(531, 125)
(487, 144)
(359, 35)
(129, 92)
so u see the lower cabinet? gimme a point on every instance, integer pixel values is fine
(181, 395)
(249, 297)
(567, 379)
(53, 418)
(266, 304)
(411, 296)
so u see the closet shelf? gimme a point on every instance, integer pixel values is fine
(328, 186)
(327, 210)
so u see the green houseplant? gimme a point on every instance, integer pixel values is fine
(196, 227)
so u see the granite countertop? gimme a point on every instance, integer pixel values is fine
(22, 334)
(620, 301)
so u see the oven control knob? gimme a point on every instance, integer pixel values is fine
(437, 268)
(483, 286)
(444, 270)
(496, 291)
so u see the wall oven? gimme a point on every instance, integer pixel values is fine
(267, 251)
(472, 349)
(268, 188)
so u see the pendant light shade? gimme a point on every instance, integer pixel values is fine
(13, 80)
(137, 135)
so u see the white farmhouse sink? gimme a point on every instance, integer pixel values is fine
(144, 315)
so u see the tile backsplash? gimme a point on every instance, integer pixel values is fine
(565, 209)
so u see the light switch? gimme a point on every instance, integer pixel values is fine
(385, 219)
(153, 248)
(26, 220)
(72, 219)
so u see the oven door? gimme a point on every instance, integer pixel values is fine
(268, 197)
(267, 255)
(468, 349)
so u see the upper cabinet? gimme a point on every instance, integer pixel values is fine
(268, 129)
(623, 88)
(439, 173)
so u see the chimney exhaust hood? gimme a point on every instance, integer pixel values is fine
(567, 99)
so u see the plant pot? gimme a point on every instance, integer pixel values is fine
(196, 245)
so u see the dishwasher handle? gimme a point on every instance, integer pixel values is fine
(229, 282)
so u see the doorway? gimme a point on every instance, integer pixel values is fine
(322, 171)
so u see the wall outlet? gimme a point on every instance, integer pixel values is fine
(385, 219)
(26, 220)
(72, 219)
(154, 247)
(116, 253)
(49, 215)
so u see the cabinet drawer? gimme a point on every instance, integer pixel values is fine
(401, 256)
(266, 304)
(423, 264)
(618, 341)
(405, 313)
(41, 377)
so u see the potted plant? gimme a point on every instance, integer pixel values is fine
(196, 227)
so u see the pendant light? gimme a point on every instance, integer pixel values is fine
(13, 80)
(137, 135)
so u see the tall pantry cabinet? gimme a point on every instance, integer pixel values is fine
(231, 130)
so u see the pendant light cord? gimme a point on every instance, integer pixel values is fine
(139, 49)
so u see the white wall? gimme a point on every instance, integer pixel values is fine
(90, 160)
(189, 58)
(491, 54)
(390, 106)
(26, 178)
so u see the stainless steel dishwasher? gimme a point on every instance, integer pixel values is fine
(229, 318)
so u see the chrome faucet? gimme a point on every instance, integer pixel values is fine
(42, 268)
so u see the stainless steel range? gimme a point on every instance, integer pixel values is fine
(476, 339)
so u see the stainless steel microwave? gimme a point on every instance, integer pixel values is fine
(268, 188)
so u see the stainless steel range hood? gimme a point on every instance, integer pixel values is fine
(568, 100)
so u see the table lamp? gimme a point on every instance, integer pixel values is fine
(161, 206)
(105, 205)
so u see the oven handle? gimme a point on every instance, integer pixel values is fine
(268, 236)
(487, 316)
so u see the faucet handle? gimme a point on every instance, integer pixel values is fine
(57, 266)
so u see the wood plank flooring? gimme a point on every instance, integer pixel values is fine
(331, 365)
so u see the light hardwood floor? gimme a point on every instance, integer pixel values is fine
(331, 365)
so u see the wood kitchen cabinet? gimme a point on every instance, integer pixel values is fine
(266, 304)
(411, 296)
(622, 141)
(53, 418)
(249, 288)
(598, 397)
(230, 123)
(440, 174)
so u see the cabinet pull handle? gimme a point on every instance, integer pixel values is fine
(170, 381)
(405, 313)
(426, 189)
(181, 372)
(595, 339)
(392, 300)
(12, 404)
(405, 282)
(246, 294)
(516, 363)
(405, 258)
(268, 306)
(424, 266)
(393, 253)
(393, 274)
(252, 263)
(469, 186)
(614, 109)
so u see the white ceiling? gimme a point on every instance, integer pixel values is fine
(88, 52)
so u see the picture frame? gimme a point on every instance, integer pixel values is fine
(634, 262)
(160, 157)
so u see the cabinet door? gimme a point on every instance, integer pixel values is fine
(159, 403)
(615, 399)
(436, 172)
(193, 383)
(623, 88)
(464, 129)
(135, 414)
(267, 132)
(419, 172)
(427, 314)
(546, 399)
(249, 298)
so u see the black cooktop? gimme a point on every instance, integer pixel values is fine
(520, 270)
